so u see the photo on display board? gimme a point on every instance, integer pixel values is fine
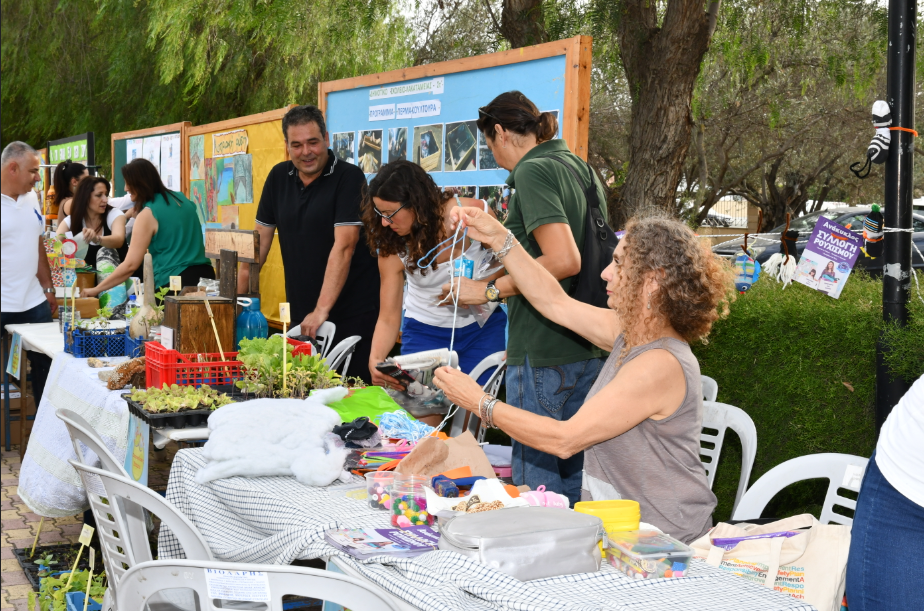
(497, 196)
(486, 159)
(134, 148)
(196, 157)
(428, 147)
(461, 143)
(343, 145)
(170, 161)
(397, 143)
(370, 151)
(151, 150)
(462, 191)
(197, 196)
(243, 179)
(225, 196)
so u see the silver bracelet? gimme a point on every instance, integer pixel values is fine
(509, 243)
(481, 405)
(489, 412)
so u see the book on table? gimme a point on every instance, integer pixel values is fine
(367, 542)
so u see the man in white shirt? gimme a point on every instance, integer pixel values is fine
(28, 293)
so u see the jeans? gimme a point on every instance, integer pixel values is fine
(880, 576)
(556, 392)
(39, 363)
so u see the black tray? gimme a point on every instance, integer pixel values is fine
(189, 419)
(31, 568)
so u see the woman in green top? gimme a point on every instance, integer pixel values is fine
(549, 368)
(167, 226)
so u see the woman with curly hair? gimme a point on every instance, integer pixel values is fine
(406, 216)
(640, 425)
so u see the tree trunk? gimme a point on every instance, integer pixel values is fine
(661, 65)
(522, 23)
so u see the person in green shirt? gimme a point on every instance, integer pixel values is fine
(549, 368)
(167, 226)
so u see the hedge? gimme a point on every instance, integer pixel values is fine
(802, 365)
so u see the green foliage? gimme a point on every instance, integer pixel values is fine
(906, 344)
(175, 398)
(262, 367)
(802, 365)
(50, 596)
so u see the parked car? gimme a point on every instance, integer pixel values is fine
(850, 217)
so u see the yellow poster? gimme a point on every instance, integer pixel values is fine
(226, 144)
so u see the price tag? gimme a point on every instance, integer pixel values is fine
(86, 534)
(284, 314)
(166, 337)
(176, 283)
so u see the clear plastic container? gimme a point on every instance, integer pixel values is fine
(647, 554)
(409, 502)
(378, 485)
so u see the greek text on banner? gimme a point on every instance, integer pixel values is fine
(434, 86)
(230, 143)
(413, 110)
(385, 112)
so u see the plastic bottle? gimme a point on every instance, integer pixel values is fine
(132, 307)
(251, 323)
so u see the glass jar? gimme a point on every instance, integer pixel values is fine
(409, 502)
(378, 485)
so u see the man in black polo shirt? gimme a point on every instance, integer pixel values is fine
(313, 202)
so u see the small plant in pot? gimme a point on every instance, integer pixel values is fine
(45, 562)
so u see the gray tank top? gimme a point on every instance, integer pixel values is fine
(657, 462)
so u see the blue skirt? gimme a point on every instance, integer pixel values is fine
(473, 343)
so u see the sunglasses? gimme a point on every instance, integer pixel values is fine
(387, 217)
(490, 116)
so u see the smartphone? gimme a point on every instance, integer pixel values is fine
(392, 370)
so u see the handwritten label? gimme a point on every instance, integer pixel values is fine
(250, 586)
(434, 86)
(284, 315)
(86, 534)
(227, 144)
(383, 112)
(176, 283)
(415, 110)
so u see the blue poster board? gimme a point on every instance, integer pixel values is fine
(430, 119)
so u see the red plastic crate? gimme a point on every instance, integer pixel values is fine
(163, 366)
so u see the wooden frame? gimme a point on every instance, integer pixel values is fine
(575, 114)
(181, 127)
(263, 117)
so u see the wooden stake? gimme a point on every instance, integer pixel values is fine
(285, 318)
(86, 598)
(86, 535)
(41, 522)
(208, 308)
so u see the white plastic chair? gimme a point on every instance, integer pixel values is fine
(457, 425)
(120, 553)
(342, 354)
(720, 416)
(710, 388)
(145, 580)
(324, 336)
(841, 471)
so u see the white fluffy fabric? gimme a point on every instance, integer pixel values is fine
(780, 271)
(276, 437)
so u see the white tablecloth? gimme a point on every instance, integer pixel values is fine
(275, 520)
(44, 337)
(48, 484)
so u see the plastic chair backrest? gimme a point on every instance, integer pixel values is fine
(710, 388)
(841, 471)
(498, 361)
(342, 354)
(720, 416)
(324, 336)
(121, 555)
(145, 580)
(81, 431)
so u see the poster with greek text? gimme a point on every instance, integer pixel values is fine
(170, 161)
(828, 257)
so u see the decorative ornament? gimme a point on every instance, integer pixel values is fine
(873, 233)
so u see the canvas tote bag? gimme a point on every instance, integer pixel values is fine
(810, 566)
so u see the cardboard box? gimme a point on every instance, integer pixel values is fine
(87, 306)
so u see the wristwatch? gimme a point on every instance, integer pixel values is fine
(50, 290)
(492, 293)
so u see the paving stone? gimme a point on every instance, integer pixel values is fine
(5, 505)
(21, 604)
(18, 533)
(13, 525)
(7, 553)
(17, 591)
(13, 578)
(9, 514)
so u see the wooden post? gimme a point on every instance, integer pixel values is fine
(227, 265)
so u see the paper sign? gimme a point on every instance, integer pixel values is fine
(828, 257)
(86, 534)
(14, 364)
(284, 314)
(383, 112)
(92, 559)
(853, 477)
(176, 283)
(433, 86)
(229, 143)
(166, 337)
(136, 455)
(414, 110)
(250, 586)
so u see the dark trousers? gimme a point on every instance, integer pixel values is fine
(39, 363)
(191, 275)
(362, 325)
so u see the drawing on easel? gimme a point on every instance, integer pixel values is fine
(460, 146)
(197, 196)
(343, 146)
(370, 151)
(196, 157)
(428, 147)
(397, 143)
(243, 179)
(213, 169)
(225, 195)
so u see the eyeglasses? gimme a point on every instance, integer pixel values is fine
(481, 111)
(387, 217)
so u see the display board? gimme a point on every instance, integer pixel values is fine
(427, 113)
(163, 146)
(80, 148)
(227, 164)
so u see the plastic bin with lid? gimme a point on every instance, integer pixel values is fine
(647, 554)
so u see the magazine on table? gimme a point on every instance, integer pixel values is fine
(368, 542)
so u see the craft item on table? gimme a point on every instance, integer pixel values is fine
(400, 425)
(783, 265)
(360, 432)
(130, 372)
(646, 554)
(878, 150)
(540, 498)
(445, 487)
(489, 493)
(265, 437)
(367, 542)
(415, 372)
(432, 456)
(409, 502)
(140, 324)
(95, 363)
(378, 486)
(873, 233)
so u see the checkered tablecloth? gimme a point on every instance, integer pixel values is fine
(276, 520)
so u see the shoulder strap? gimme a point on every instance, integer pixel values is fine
(590, 192)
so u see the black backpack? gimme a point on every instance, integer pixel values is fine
(599, 243)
